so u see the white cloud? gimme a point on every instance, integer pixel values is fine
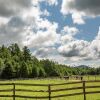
(81, 49)
(46, 13)
(81, 8)
(45, 38)
(28, 28)
(12, 7)
(44, 52)
(74, 48)
(68, 32)
(66, 39)
(52, 2)
(77, 18)
(21, 22)
(3, 20)
(41, 38)
(13, 32)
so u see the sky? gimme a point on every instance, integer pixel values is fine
(66, 31)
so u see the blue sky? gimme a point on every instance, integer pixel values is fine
(90, 27)
(66, 31)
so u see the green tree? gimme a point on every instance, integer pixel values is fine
(14, 49)
(35, 71)
(4, 53)
(1, 65)
(26, 54)
(23, 71)
(7, 72)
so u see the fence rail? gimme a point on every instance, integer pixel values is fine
(49, 90)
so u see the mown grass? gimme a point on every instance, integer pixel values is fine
(52, 81)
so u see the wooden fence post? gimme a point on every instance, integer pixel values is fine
(13, 91)
(84, 90)
(49, 91)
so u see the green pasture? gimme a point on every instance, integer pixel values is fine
(52, 81)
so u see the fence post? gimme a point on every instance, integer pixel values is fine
(13, 91)
(84, 90)
(49, 91)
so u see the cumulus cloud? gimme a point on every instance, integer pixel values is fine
(23, 22)
(47, 38)
(49, 53)
(68, 32)
(46, 13)
(13, 31)
(44, 52)
(52, 2)
(29, 28)
(78, 18)
(15, 17)
(66, 39)
(81, 49)
(11, 7)
(95, 47)
(74, 48)
(45, 34)
(81, 8)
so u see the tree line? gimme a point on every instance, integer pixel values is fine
(20, 63)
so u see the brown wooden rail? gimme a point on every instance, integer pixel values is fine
(49, 90)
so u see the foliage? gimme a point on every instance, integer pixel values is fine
(20, 63)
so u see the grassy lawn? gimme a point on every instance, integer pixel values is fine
(52, 81)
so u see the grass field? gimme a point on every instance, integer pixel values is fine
(52, 81)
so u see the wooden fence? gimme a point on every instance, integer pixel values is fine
(82, 77)
(49, 90)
